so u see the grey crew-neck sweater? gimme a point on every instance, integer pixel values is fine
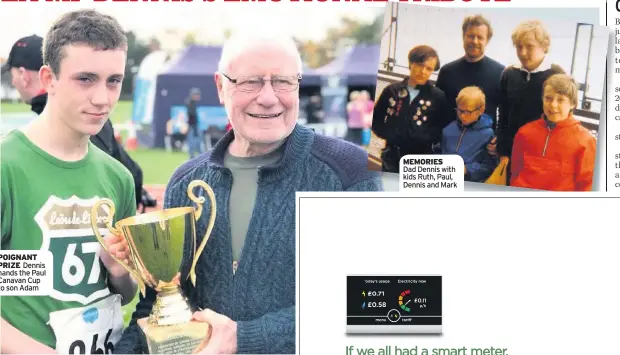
(260, 296)
(243, 193)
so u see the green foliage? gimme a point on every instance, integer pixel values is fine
(136, 51)
(350, 32)
(369, 33)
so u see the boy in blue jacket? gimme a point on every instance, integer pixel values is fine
(469, 135)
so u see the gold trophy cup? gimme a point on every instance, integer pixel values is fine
(160, 242)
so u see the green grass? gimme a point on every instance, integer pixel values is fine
(157, 165)
(122, 111)
(7, 107)
(129, 308)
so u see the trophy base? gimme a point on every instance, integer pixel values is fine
(183, 338)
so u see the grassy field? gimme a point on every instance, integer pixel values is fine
(157, 165)
(6, 107)
(122, 111)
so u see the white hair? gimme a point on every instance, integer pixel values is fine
(238, 43)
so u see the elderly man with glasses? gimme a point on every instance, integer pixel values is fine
(245, 285)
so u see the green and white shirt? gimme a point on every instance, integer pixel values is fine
(46, 204)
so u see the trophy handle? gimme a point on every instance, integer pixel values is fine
(113, 230)
(199, 201)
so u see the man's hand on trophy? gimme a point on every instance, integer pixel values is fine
(223, 333)
(117, 247)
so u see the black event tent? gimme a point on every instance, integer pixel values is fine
(359, 65)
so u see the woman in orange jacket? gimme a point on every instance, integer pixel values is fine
(555, 152)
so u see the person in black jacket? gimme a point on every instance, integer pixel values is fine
(474, 68)
(411, 114)
(521, 85)
(24, 62)
(194, 134)
(314, 112)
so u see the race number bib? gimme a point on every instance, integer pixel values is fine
(93, 329)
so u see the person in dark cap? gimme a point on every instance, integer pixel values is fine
(24, 62)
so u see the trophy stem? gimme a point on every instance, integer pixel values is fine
(169, 329)
(170, 307)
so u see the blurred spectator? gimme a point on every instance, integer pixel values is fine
(314, 111)
(359, 112)
(368, 105)
(176, 131)
(194, 136)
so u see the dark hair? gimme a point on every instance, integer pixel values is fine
(475, 21)
(87, 27)
(421, 54)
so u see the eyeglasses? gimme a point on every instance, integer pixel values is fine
(256, 83)
(465, 112)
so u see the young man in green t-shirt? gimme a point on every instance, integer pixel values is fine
(51, 177)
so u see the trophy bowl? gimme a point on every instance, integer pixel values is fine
(162, 245)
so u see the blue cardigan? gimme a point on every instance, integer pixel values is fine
(260, 296)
